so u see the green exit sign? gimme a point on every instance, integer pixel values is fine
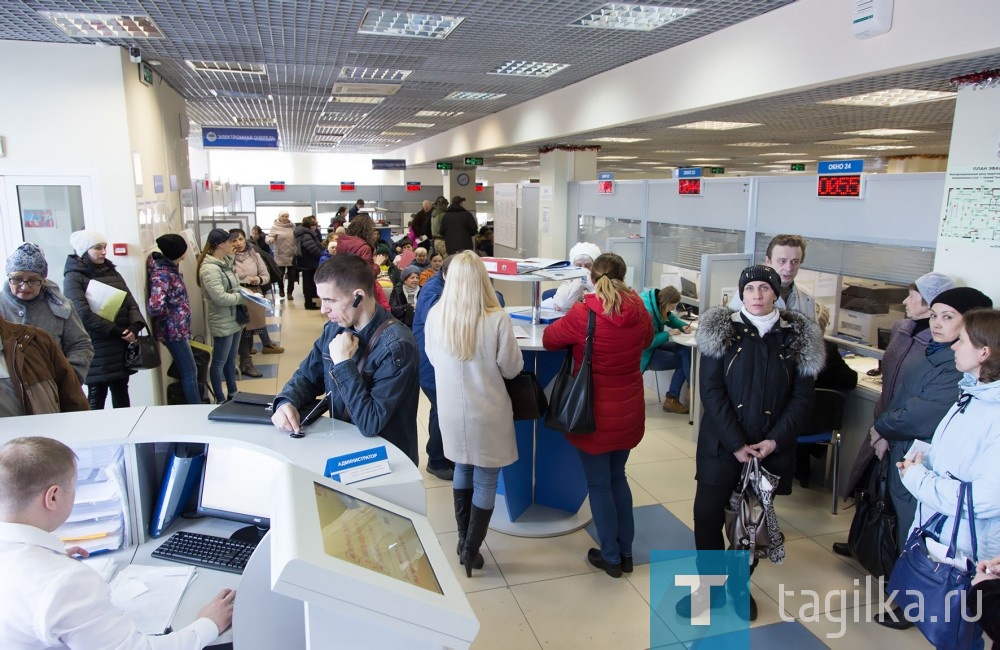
(718, 170)
(473, 161)
(444, 165)
(798, 167)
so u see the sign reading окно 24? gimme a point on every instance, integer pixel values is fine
(239, 138)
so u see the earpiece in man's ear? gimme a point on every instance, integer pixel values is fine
(357, 300)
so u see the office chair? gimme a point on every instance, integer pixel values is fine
(548, 293)
(824, 428)
(657, 364)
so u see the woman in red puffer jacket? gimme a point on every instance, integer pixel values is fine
(622, 331)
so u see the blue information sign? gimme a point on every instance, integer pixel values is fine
(605, 176)
(688, 172)
(841, 167)
(239, 138)
(388, 163)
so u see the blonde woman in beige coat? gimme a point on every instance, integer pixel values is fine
(470, 342)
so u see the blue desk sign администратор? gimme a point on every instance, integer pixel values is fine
(358, 466)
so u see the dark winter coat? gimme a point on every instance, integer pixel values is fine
(429, 295)
(168, 305)
(754, 388)
(619, 404)
(310, 246)
(106, 335)
(906, 346)
(400, 307)
(458, 227)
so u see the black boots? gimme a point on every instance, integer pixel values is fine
(463, 508)
(479, 522)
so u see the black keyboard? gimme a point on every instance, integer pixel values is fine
(209, 551)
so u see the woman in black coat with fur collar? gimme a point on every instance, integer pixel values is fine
(757, 374)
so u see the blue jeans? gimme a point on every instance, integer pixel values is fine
(224, 350)
(435, 447)
(678, 357)
(184, 357)
(482, 480)
(610, 502)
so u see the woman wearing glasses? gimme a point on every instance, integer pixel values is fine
(30, 298)
(110, 336)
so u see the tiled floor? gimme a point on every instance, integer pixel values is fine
(542, 593)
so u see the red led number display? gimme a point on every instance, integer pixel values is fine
(839, 185)
(689, 186)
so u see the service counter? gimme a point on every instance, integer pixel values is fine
(145, 434)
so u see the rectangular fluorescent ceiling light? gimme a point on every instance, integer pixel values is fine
(397, 133)
(238, 94)
(624, 140)
(842, 156)
(887, 147)
(413, 25)
(790, 162)
(892, 97)
(416, 125)
(617, 157)
(224, 66)
(664, 167)
(513, 155)
(437, 113)
(471, 96)
(642, 18)
(885, 132)
(783, 153)
(757, 144)
(374, 89)
(513, 162)
(674, 151)
(648, 163)
(528, 68)
(343, 99)
(374, 74)
(87, 25)
(707, 159)
(858, 142)
(711, 125)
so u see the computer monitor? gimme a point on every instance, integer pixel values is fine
(374, 568)
(689, 289)
(884, 334)
(237, 485)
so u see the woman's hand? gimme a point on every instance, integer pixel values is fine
(743, 455)
(128, 336)
(988, 570)
(918, 459)
(764, 448)
(686, 329)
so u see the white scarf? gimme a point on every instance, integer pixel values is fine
(765, 323)
(411, 295)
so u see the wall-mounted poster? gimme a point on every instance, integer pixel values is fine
(38, 219)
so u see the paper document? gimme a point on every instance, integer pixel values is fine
(104, 300)
(535, 263)
(521, 333)
(104, 566)
(150, 595)
(258, 299)
(917, 446)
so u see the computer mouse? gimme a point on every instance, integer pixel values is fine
(297, 434)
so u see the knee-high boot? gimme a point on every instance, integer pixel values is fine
(479, 522)
(463, 508)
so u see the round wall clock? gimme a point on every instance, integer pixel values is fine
(462, 179)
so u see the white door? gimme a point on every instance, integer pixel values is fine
(44, 210)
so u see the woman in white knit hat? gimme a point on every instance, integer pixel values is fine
(570, 292)
(110, 336)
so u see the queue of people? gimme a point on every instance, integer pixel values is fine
(446, 333)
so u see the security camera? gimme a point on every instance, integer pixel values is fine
(134, 55)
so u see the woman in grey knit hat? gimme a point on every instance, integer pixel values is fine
(30, 298)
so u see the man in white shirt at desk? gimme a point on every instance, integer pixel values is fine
(48, 599)
(785, 254)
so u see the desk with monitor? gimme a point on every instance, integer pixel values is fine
(262, 616)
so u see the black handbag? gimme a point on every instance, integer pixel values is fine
(571, 407)
(143, 354)
(874, 532)
(526, 396)
(937, 590)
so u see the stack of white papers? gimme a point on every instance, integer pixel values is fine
(149, 595)
(105, 566)
(97, 522)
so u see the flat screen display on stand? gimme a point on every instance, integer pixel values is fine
(237, 485)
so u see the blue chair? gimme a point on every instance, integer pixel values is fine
(548, 293)
(827, 419)
(657, 364)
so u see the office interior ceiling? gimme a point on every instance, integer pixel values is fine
(304, 47)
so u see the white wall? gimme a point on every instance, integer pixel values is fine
(802, 45)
